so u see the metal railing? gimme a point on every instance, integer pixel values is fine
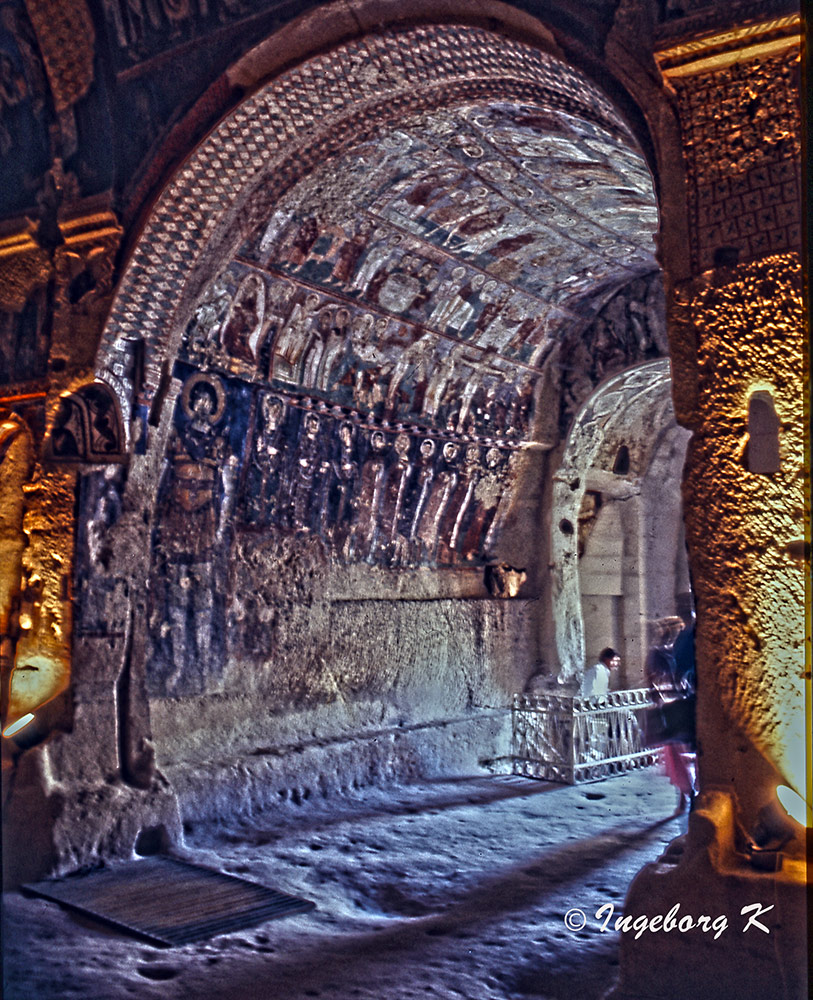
(574, 739)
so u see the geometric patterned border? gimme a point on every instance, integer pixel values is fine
(742, 144)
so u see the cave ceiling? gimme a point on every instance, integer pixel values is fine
(365, 361)
(424, 276)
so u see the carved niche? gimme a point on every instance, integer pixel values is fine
(88, 427)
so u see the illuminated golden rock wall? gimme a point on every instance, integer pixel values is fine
(745, 527)
(17, 455)
(41, 669)
(737, 334)
(739, 362)
(64, 292)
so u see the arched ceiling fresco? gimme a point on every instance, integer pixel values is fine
(425, 275)
(363, 283)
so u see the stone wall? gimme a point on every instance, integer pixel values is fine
(264, 651)
(411, 672)
(739, 360)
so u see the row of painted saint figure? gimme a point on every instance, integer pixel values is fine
(374, 496)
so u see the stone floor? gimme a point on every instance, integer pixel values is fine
(444, 889)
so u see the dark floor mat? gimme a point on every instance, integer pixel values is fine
(169, 901)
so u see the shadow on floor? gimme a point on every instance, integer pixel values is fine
(591, 979)
(481, 792)
(362, 957)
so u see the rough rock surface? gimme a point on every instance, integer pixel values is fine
(452, 889)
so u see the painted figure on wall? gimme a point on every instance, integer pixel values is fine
(277, 308)
(332, 350)
(401, 288)
(293, 340)
(443, 487)
(321, 336)
(304, 479)
(455, 517)
(487, 495)
(203, 333)
(244, 326)
(371, 485)
(263, 477)
(393, 544)
(349, 254)
(346, 473)
(299, 240)
(374, 263)
(186, 618)
(422, 491)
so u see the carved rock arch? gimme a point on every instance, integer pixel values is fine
(225, 192)
(644, 388)
(287, 127)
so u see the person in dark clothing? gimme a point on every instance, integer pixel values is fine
(671, 673)
(683, 651)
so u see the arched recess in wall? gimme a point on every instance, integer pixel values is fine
(617, 542)
(357, 280)
(88, 427)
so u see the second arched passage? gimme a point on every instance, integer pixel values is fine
(618, 549)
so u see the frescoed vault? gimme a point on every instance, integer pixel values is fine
(479, 232)
(367, 345)
(400, 328)
(337, 408)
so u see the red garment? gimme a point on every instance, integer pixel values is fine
(679, 762)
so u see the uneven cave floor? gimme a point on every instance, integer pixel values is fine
(453, 888)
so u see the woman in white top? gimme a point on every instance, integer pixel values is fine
(596, 681)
